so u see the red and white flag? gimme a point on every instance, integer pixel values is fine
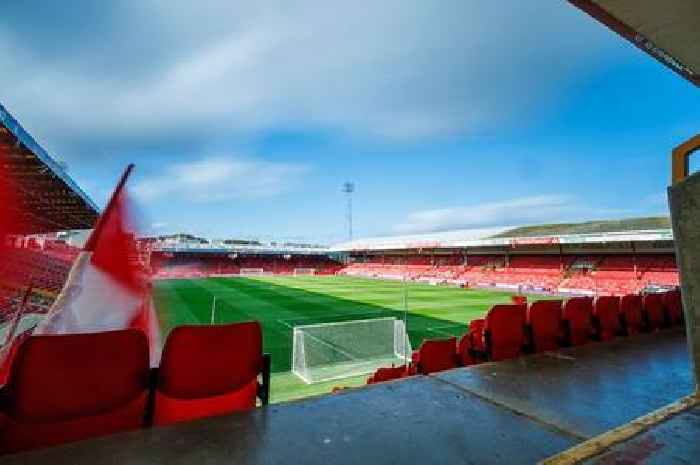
(107, 287)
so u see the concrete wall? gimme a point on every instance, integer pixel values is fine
(684, 200)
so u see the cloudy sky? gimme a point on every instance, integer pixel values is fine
(245, 118)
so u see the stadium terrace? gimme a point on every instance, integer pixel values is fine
(579, 340)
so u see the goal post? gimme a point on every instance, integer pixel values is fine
(329, 351)
(304, 271)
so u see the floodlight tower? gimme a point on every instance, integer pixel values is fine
(348, 189)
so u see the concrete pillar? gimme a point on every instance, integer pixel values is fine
(684, 200)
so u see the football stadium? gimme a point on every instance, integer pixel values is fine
(580, 339)
(441, 285)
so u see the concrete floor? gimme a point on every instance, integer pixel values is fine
(519, 411)
(676, 441)
(588, 390)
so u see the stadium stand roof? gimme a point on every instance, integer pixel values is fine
(591, 227)
(646, 230)
(178, 243)
(44, 188)
(667, 30)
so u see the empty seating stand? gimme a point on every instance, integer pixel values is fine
(71, 387)
(544, 324)
(654, 313)
(606, 317)
(435, 355)
(210, 370)
(504, 331)
(576, 320)
(631, 319)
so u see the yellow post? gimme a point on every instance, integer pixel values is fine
(679, 159)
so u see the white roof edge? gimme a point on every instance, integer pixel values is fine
(433, 242)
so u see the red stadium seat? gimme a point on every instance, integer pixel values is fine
(476, 335)
(631, 306)
(606, 317)
(71, 387)
(210, 370)
(674, 306)
(576, 317)
(544, 321)
(505, 331)
(654, 313)
(436, 355)
(388, 374)
(464, 351)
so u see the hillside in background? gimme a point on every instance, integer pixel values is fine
(589, 227)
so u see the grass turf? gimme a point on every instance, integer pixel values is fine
(280, 303)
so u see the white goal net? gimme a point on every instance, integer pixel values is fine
(252, 271)
(304, 271)
(328, 351)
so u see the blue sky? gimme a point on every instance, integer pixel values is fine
(244, 119)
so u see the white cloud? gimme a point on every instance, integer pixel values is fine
(513, 212)
(220, 178)
(394, 69)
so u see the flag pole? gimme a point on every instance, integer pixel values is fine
(111, 205)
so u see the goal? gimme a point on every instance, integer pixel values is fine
(304, 271)
(252, 271)
(328, 351)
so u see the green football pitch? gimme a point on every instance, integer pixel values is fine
(280, 303)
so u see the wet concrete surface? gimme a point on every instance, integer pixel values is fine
(418, 421)
(518, 411)
(589, 389)
(676, 441)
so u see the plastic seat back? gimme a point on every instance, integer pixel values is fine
(476, 334)
(437, 355)
(674, 306)
(631, 306)
(576, 316)
(654, 313)
(464, 348)
(208, 370)
(388, 374)
(505, 331)
(65, 388)
(544, 320)
(606, 316)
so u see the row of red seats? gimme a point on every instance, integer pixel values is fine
(61, 250)
(509, 330)
(25, 267)
(202, 266)
(64, 388)
(611, 275)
